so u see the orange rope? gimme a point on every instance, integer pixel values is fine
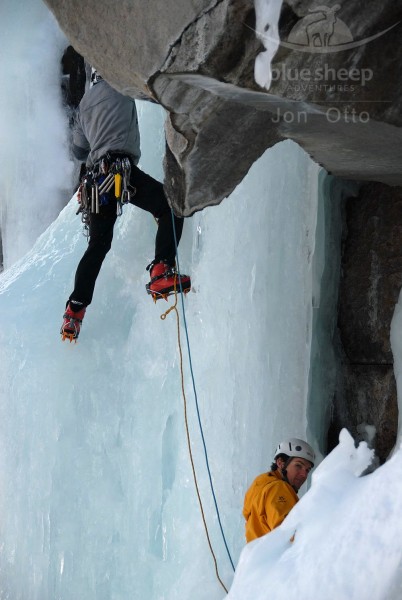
(163, 317)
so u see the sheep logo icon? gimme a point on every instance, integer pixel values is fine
(321, 28)
(321, 31)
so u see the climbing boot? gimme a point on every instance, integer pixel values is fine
(166, 281)
(71, 327)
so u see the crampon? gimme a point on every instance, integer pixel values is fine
(165, 281)
(71, 327)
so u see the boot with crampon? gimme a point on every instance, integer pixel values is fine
(165, 281)
(73, 316)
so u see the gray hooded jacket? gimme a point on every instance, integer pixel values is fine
(105, 121)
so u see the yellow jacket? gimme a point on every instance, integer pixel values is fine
(267, 502)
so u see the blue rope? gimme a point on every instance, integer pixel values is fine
(196, 398)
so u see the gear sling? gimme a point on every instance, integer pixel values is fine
(109, 171)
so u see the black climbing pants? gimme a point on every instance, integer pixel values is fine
(149, 196)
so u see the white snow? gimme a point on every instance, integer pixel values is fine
(97, 498)
(347, 540)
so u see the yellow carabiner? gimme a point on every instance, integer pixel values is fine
(117, 185)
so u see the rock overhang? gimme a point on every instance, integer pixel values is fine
(343, 107)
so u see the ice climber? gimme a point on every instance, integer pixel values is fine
(272, 495)
(106, 136)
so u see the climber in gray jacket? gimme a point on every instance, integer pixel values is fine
(106, 122)
(106, 136)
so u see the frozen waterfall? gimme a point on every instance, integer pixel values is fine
(97, 497)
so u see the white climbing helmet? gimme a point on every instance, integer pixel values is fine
(296, 448)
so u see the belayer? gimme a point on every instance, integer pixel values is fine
(272, 495)
(106, 136)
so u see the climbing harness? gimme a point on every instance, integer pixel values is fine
(110, 171)
(163, 317)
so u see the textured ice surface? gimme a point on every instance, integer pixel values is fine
(35, 170)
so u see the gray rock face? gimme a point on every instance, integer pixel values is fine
(372, 273)
(127, 41)
(370, 284)
(343, 107)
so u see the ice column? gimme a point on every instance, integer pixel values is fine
(267, 19)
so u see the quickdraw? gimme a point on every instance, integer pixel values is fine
(97, 183)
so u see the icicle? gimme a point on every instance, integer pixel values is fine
(267, 19)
